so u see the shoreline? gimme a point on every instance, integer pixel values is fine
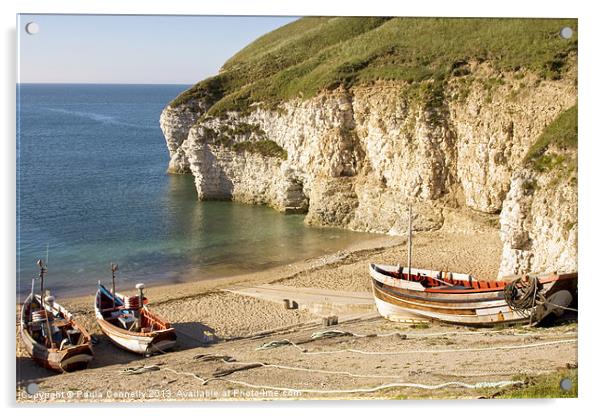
(192, 282)
(167, 292)
(194, 277)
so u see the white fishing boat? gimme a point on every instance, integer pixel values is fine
(129, 323)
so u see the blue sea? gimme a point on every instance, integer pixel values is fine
(92, 189)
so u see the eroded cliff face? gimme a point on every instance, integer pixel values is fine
(175, 124)
(538, 222)
(355, 158)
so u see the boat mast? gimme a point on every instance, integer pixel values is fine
(113, 270)
(409, 239)
(49, 329)
(42, 271)
(33, 291)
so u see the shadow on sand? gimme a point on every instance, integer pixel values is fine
(194, 335)
(190, 335)
(106, 353)
(30, 372)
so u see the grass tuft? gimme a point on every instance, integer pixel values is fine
(560, 135)
(420, 325)
(266, 148)
(546, 386)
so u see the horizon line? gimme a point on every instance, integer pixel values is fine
(106, 83)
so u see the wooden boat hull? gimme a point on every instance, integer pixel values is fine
(392, 305)
(145, 343)
(67, 359)
(400, 300)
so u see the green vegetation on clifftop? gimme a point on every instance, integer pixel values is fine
(550, 149)
(317, 53)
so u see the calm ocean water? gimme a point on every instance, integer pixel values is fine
(92, 187)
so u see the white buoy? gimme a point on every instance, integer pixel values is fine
(140, 287)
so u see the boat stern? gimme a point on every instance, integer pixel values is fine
(76, 362)
(163, 342)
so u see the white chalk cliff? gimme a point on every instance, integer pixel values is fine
(354, 157)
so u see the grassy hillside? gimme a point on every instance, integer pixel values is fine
(550, 149)
(317, 53)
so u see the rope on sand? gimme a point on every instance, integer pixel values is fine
(331, 333)
(218, 377)
(483, 384)
(312, 370)
(478, 385)
(250, 365)
(440, 351)
(140, 369)
(274, 344)
(184, 373)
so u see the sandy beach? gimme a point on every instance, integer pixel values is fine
(211, 321)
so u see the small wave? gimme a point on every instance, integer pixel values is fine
(101, 118)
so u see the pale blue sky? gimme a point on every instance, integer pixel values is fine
(133, 49)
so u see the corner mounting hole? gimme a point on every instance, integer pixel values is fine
(32, 28)
(566, 33)
(566, 384)
(32, 388)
